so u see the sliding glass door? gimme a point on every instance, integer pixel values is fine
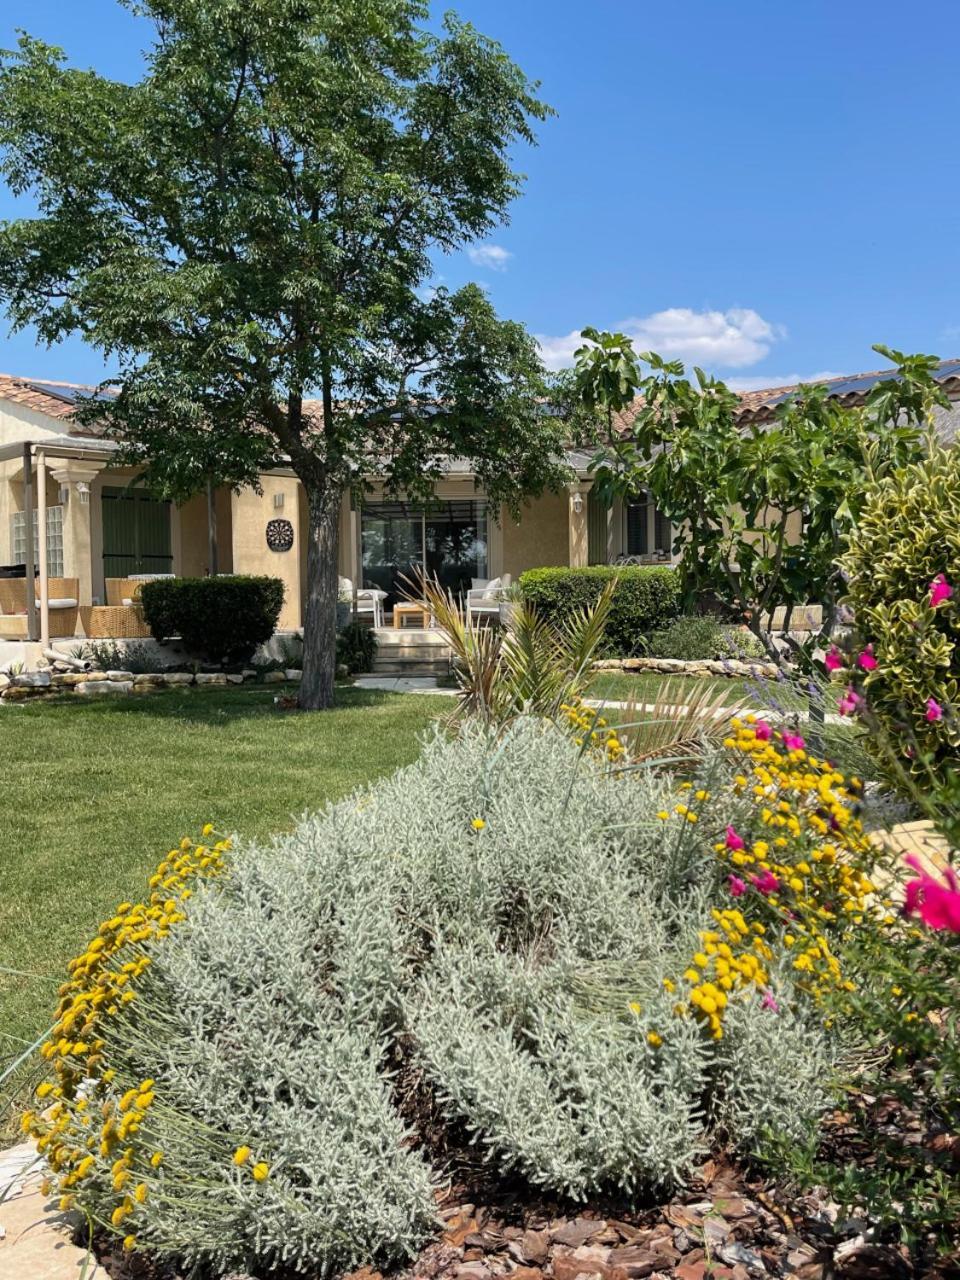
(449, 539)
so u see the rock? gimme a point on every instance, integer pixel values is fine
(32, 680)
(274, 677)
(121, 677)
(636, 1260)
(20, 693)
(586, 1262)
(534, 1246)
(472, 1271)
(4, 680)
(577, 1231)
(739, 1253)
(175, 678)
(702, 1270)
(732, 1207)
(249, 673)
(92, 688)
(71, 678)
(211, 677)
(294, 675)
(153, 681)
(458, 1228)
(526, 1273)
(234, 677)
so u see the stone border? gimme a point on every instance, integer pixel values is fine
(35, 685)
(733, 668)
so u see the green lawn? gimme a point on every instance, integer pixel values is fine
(619, 686)
(95, 793)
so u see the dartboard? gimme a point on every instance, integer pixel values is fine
(279, 535)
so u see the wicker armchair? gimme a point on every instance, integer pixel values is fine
(63, 606)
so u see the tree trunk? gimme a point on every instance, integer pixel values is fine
(320, 614)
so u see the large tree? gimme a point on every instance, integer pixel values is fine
(763, 509)
(248, 232)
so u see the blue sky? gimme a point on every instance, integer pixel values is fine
(765, 188)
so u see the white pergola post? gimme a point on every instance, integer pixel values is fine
(42, 550)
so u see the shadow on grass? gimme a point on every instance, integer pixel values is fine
(208, 706)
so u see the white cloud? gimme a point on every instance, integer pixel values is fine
(731, 339)
(493, 256)
(764, 380)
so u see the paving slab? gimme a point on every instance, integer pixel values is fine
(35, 1237)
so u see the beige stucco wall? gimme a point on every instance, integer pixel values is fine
(19, 424)
(250, 512)
(539, 539)
(191, 539)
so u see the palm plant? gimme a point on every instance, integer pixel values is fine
(679, 726)
(524, 666)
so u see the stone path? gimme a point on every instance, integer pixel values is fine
(35, 1241)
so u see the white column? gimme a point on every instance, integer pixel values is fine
(42, 550)
(577, 517)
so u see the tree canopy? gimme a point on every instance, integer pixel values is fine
(249, 231)
(762, 508)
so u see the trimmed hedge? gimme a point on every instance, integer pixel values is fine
(646, 598)
(223, 619)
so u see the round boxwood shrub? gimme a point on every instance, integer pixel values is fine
(646, 598)
(699, 638)
(222, 619)
(908, 535)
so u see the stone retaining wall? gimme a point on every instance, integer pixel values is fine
(30, 685)
(734, 668)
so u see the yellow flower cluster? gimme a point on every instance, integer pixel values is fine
(593, 731)
(805, 877)
(87, 1131)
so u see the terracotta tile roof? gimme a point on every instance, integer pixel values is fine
(30, 393)
(758, 405)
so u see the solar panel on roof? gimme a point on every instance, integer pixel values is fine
(854, 385)
(69, 395)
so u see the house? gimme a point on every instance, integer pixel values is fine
(101, 524)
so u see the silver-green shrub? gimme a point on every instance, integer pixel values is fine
(488, 931)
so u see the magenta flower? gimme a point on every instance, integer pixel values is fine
(940, 590)
(934, 710)
(834, 659)
(849, 702)
(768, 1002)
(766, 883)
(733, 840)
(793, 742)
(866, 659)
(762, 730)
(937, 904)
(737, 886)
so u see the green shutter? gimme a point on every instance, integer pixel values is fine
(136, 534)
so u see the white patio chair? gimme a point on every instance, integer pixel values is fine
(369, 600)
(484, 597)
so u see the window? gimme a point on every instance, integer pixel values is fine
(646, 531)
(18, 539)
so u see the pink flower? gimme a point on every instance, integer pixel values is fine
(737, 886)
(934, 710)
(768, 1002)
(940, 590)
(849, 702)
(793, 742)
(766, 882)
(937, 904)
(866, 659)
(834, 659)
(762, 730)
(733, 840)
